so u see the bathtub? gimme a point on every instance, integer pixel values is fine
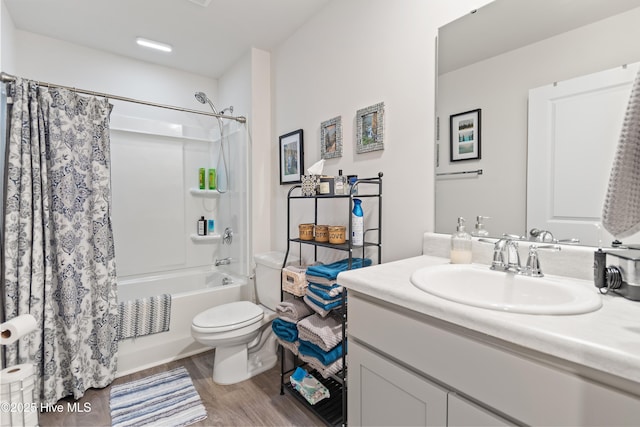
(191, 292)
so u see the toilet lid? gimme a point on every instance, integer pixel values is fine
(229, 316)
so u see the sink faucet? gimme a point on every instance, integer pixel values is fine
(223, 261)
(532, 267)
(506, 256)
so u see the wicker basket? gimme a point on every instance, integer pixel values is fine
(294, 279)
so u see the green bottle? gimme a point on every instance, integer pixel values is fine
(212, 179)
(201, 178)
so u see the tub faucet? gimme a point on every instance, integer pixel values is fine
(223, 261)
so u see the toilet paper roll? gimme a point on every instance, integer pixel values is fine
(16, 373)
(16, 393)
(14, 329)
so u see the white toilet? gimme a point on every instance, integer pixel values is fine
(241, 331)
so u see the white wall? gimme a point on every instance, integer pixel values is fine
(7, 30)
(352, 54)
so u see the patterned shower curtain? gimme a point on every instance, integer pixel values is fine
(59, 251)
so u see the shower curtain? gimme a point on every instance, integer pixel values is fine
(58, 249)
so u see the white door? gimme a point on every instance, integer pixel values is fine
(574, 127)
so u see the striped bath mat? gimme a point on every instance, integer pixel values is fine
(144, 316)
(165, 399)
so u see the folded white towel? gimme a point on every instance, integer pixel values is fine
(621, 211)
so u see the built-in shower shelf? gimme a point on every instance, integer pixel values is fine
(208, 238)
(204, 193)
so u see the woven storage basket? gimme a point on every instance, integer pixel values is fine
(294, 279)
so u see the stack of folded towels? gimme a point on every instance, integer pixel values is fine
(307, 327)
(320, 343)
(285, 326)
(323, 292)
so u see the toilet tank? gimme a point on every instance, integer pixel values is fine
(268, 276)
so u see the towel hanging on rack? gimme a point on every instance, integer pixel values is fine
(621, 211)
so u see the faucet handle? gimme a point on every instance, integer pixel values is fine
(532, 267)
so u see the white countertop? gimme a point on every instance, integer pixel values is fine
(607, 340)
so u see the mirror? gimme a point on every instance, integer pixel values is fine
(489, 60)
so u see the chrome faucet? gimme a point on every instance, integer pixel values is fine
(544, 236)
(223, 261)
(532, 267)
(506, 256)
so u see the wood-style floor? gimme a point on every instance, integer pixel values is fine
(254, 402)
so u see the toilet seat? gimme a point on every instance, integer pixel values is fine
(228, 317)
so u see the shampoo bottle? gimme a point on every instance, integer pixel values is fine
(461, 245)
(202, 227)
(357, 223)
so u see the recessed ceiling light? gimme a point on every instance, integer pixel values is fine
(154, 45)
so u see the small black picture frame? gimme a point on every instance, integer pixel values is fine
(465, 135)
(291, 157)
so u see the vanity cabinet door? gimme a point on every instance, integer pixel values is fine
(382, 393)
(464, 413)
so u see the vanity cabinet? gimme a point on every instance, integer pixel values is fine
(407, 367)
(390, 394)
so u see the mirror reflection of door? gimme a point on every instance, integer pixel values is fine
(574, 127)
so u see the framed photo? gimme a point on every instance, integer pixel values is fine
(464, 136)
(331, 138)
(370, 128)
(291, 157)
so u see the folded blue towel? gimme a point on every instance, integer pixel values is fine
(331, 271)
(320, 292)
(327, 307)
(285, 330)
(325, 287)
(325, 357)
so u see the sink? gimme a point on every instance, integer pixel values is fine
(479, 286)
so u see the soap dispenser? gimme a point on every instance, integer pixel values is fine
(460, 245)
(480, 231)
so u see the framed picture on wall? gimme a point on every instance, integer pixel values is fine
(331, 138)
(464, 136)
(291, 157)
(370, 128)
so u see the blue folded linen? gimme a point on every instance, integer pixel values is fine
(325, 357)
(331, 271)
(285, 330)
(329, 306)
(322, 300)
(322, 292)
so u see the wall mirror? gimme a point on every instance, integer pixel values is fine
(490, 60)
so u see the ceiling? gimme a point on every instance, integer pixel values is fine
(540, 19)
(206, 40)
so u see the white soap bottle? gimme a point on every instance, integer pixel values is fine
(460, 245)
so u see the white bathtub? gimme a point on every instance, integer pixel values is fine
(191, 292)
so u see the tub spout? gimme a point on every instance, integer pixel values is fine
(223, 261)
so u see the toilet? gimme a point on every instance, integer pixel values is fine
(241, 331)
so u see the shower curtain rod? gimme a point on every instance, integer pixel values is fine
(8, 78)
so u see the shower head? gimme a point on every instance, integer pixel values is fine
(203, 98)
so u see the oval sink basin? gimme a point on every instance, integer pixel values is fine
(479, 286)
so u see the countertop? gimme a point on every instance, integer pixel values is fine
(607, 340)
